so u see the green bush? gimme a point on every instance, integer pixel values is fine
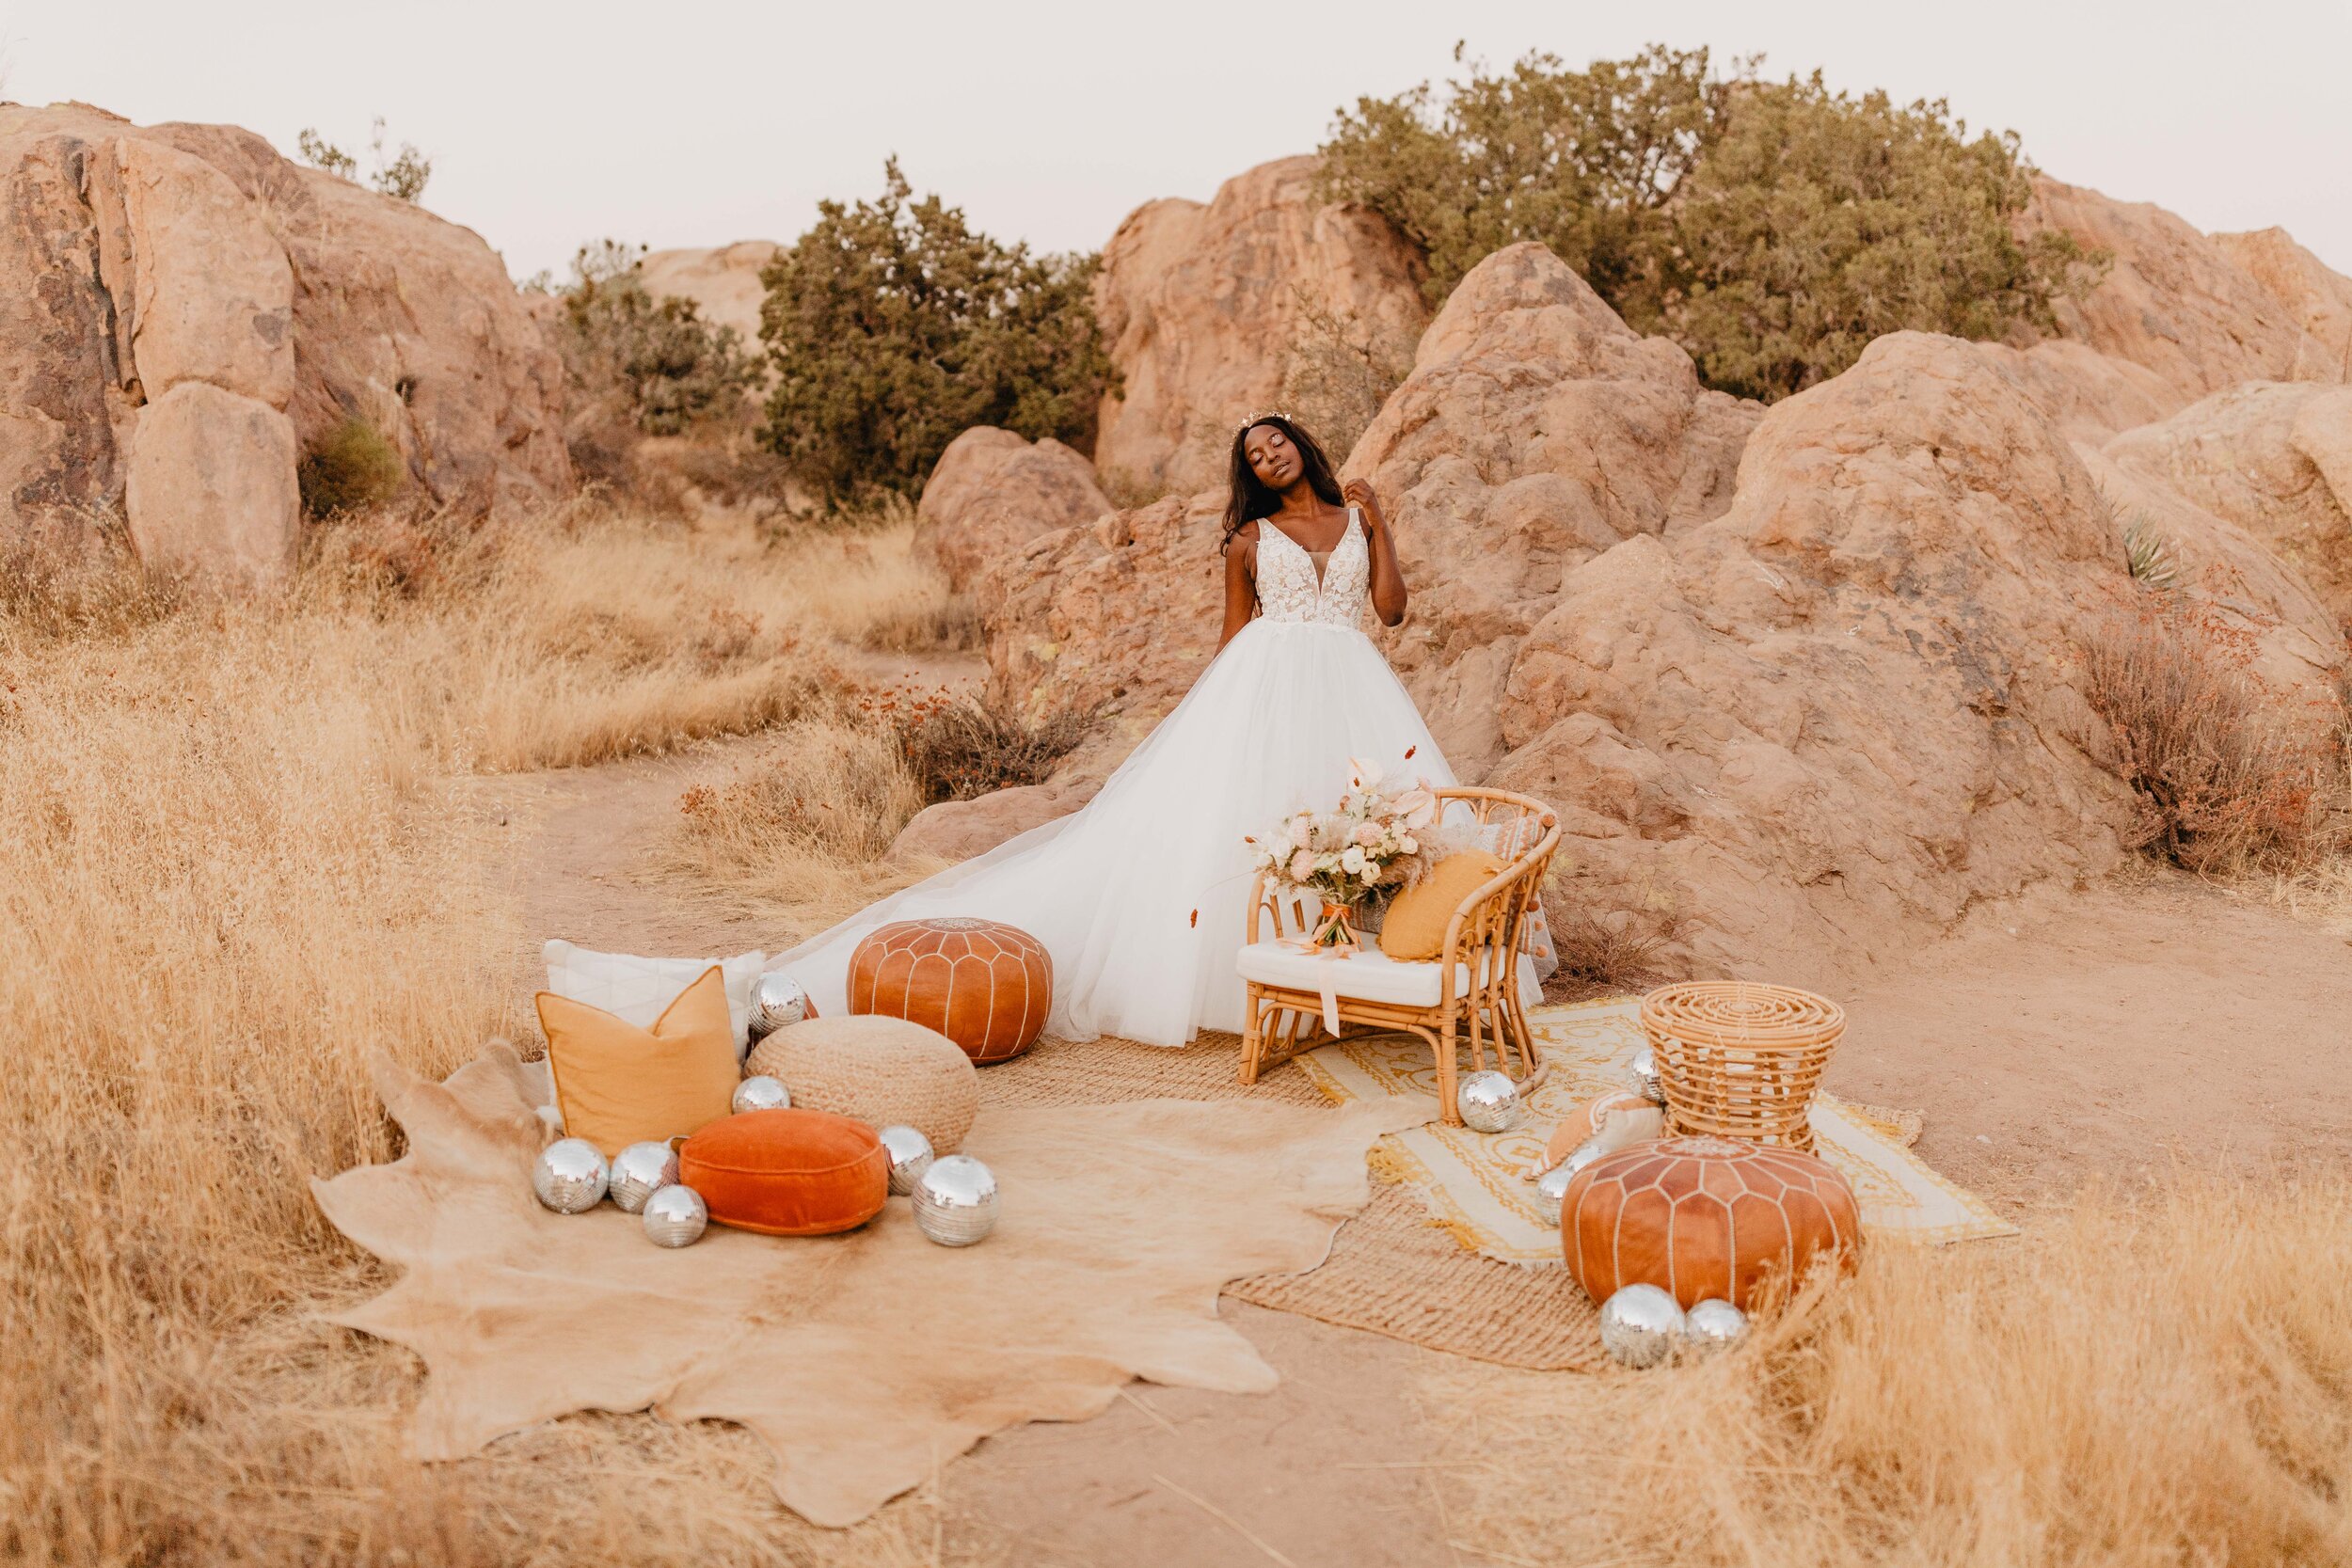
(351, 466)
(665, 367)
(1772, 228)
(894, 327)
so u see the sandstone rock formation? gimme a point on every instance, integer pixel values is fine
(993, 491)
(2316, 296)
(723, 283)
(2179, 315)
(1202, 308)
(2274, 458)
(1805, 676)
(141, 261)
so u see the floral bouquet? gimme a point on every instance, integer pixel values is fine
(1373, 840)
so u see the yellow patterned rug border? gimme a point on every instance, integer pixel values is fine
(1476, 1185)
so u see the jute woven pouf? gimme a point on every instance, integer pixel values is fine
(882, 1070)
(1742, 1060)
(1703, 1217)
(986, 986)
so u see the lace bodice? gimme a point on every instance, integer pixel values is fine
(1288, 584)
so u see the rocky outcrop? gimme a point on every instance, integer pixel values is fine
(139, 261)
(1806, 675)
(1202, 307)
(723, 283)
(211, 489)
(993, 491)
(2318, 297)
(2180, 305)
(2275, 459)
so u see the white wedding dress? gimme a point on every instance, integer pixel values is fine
(1140, 895)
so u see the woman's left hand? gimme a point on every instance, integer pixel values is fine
(1358, 492)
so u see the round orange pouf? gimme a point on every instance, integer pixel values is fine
(985, 986)
(1702, 1216)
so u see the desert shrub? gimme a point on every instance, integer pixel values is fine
(74, 575)
(963, 747)
(894, 327)
(353, 466)
(666, 367)
(403, 176)
(950, 625)
(1603, 950)
(2221, 784)
(1772, 228)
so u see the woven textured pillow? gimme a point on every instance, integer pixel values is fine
(617, 1083)
(879, 1069)
(1415, 926)
(636, 988)
(787, 1173)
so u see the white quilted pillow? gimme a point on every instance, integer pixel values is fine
(637, 989)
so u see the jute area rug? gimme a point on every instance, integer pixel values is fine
(1449, 1253)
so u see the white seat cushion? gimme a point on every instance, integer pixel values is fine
(1369, 976)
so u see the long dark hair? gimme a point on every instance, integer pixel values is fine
(1249, 498)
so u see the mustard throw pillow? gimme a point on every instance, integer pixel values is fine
(618, 1084)
(1414, 929)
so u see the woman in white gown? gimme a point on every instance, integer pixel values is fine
(1140, 897)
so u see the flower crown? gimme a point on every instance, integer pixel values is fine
(1261, 419)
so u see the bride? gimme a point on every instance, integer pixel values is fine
(1140, 897)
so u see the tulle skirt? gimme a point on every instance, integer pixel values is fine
(1140, 897)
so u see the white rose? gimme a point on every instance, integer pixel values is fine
(1353, 861)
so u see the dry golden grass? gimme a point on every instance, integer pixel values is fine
(2166, 1381)
(230, 873)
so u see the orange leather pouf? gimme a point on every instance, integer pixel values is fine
(985, 986)
(787, 1173)
(1703, 1216)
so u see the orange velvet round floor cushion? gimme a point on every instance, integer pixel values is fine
(984, 985)
(787, 1173)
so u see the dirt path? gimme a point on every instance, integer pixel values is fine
(2094, 1035)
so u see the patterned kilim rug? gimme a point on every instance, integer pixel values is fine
(1410, 1266)
(1477, 1185)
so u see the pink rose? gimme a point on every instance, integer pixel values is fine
(1367, 834)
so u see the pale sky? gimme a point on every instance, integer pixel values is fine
(694, 122)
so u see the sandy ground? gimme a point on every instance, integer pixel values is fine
(2100, 1035)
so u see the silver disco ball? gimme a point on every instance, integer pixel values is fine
(777, 1000)
(569, 1176)
(1640, 1325)
(637, 1171)
(760, 1092)
(956, 1200)
(910, 1154)
(676, 1216)
(1715, 1323)
(1489, 1101)
(1644, 1071)
(1553, 1186)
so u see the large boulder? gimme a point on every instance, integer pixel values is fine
(993, 491)
(723, 283)
(1536, 432)
(1204, 308)
(211, 490)
(1806, 675)
(2317, 296)
(2274, 458)
(2176, 302)
(136, 261)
